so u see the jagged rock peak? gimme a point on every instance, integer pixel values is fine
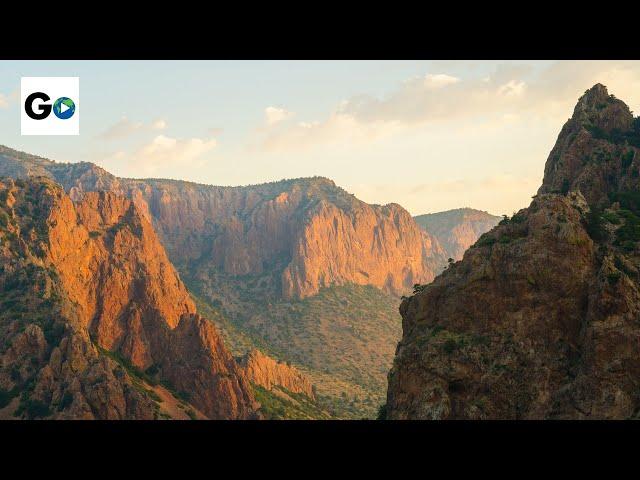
(539, 320)
(596, 151)
(596, 108)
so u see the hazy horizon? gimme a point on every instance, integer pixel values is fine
(429, 135)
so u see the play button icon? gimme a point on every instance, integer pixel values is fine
(64, 108)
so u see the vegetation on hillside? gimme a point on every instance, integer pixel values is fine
(282, 404)
(343, 338)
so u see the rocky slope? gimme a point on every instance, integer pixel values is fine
(540, 319)
(456, 230)
(93, 312)
(286, 267)
(305, 233)
(269, 373)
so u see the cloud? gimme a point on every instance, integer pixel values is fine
(511, 91)
(122, 128)
(164, 152)
(125, 127)
(339, 127)
(7, 100)
(439, 80)
(159, 124)
(274, 115)
(512, 88)
(161, 157)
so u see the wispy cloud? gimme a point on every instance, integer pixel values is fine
(163, 156)
(125, 127)
(511, 91)
(274, 115)
(7, 100)
(439, 80)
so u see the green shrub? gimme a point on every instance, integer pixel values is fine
(616, 136)
(6, 396)
(613, 278)
(450, 346)
(485, 241)
(417, 288)
(595, 225)
(629, 200)
(37, 409)
(628, 245)
(67, 400)
(382, 412)
(518, 218)
(611, 217)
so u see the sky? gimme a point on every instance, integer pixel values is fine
(429, 135)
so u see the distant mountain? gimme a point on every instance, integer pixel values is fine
(298, 268)
(304, 233)
(456, 230)
(540, 320)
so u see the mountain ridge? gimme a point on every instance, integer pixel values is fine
(257, 251)
(286, 226)
(539, 318)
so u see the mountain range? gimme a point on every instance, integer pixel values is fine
(299, 270)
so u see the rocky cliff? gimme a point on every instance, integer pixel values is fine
(99, 291)
(540, 318)
(269, 373)
(288, 267)
(305, 233)
(456, 230)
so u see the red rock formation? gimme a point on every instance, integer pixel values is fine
(365, 245)
(268, 373)
(126, 294)
(307, 233)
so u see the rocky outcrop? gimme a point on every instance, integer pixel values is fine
(596, 151)
(305, 233)
(269, 373)
(367, 246)
(456, 230)
(540, 318)
(104, 269)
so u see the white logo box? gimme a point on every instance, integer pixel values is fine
(55, 87)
